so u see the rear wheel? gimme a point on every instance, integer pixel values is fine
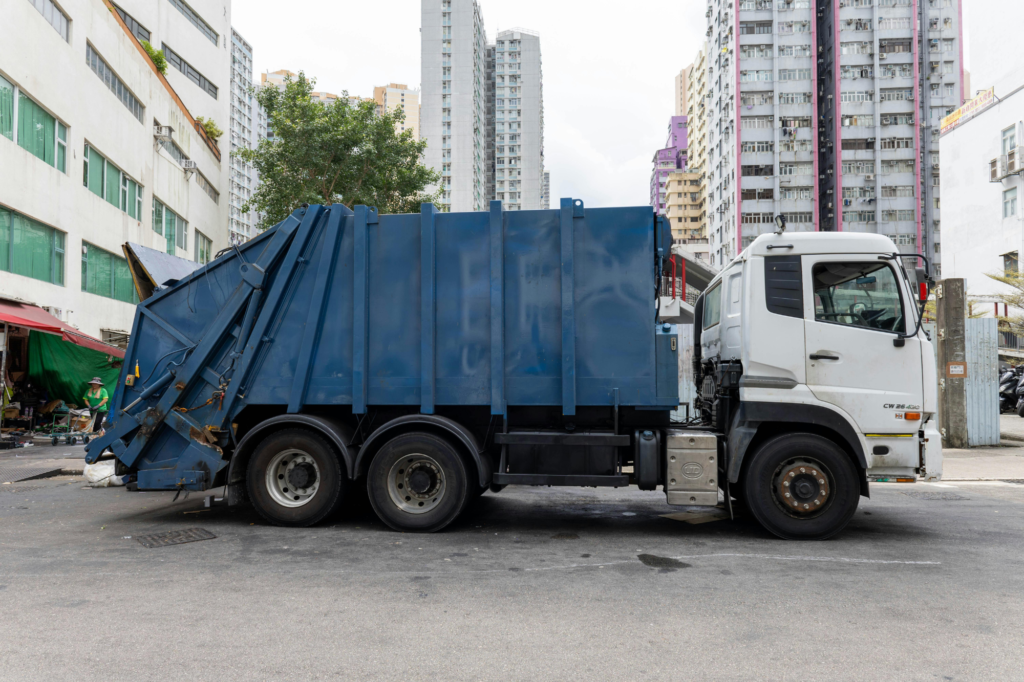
(295, 478)
(418, 482)
(801, 487)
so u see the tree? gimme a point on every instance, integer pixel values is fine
(1014, 299)
(333, 153)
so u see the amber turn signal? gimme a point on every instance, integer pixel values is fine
(912, 416)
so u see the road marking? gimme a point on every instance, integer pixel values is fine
(769, 557)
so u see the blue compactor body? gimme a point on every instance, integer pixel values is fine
(499, 347)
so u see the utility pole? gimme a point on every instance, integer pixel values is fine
(952, 360)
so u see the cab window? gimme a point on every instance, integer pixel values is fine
(859, 295)
(713, 306)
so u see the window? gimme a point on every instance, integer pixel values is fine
(196, 20)
(859, 193)
(794, 74)
(203, 247)
(858, 71)
(750, 99)
(859, 96)
(891, 46)
(1009, 139)
(798, 218)
(754, 76)
(791, 145)
(757, 218)
(31, 249)
(793, 50)
(1010, 263)
(894, 22)
(898, 166)
(858, 294)
(893, 95)
(105, 274)
(898, 191)
(120, 90)
(759, 146)
(1010, 202)
(858, 216)
(867, 120)
(751, 51)
(107, 181)
(755, 28)
(794, 98)
(175, 60)
(174, 227)
(755, 194)
(757, 171)
(752, 122)
(897, 143)
(856, 48)
(796, 169)
(712, 306)
(901, 215)
(857, 143)
(795, 193)
(54, 16)
(137, 29)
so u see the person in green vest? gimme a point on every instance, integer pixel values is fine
(96, 399)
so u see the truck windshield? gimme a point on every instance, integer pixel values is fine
(713, 306)
(858, 294)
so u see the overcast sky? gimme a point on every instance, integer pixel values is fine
(608, 71)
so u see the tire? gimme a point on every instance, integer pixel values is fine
(418, 482)
(85, 439)
(54, 440)
(302, 458)
(813, 506)
(1020, 409)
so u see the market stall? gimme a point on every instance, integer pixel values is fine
(47, 365)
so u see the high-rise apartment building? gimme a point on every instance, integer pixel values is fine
(545, 201)
(827, 112)
(682, 91)
(697, 133)
(482, 109)
(453, 114)
(398, 96)
(670, 158)
(518, 120)
(683, 204)
(97, 148)
(244, 134)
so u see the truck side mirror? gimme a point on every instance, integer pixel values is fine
(924, 284)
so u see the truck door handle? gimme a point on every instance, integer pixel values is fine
(822, 356)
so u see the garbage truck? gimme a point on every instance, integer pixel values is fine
(432, 357)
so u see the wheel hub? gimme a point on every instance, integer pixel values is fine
(416, 483)
(802, 487)
(293, 478)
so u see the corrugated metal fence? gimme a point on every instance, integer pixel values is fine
(982, 384)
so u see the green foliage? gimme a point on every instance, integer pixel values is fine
(1013, 299)
(210, 127)
(157, 56)
(333, 153)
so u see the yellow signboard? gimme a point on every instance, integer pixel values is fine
(968, 110)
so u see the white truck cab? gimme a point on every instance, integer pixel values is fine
(810, 357)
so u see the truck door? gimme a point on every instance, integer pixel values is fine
(857, 305)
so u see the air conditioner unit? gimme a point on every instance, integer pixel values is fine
(885, 120)
(188, 164)
(935, 165)
(910, 96)
(163, 133)
(870, 177)
(1002, 166)
(993, 170)
(1015, 160)
(881, 55)
(56, 312)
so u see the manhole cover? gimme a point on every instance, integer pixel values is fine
(12, 473)
(929, 495)
(175, 537)
(19, 488)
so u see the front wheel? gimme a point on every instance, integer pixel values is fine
(418, 482)
(801, 487)
(1020, 408)
(295, 478)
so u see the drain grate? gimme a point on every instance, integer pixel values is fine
(12, 473)
(929, 495)
(175, 537)
(19, 488)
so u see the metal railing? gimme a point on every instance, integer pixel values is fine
(1010, 341)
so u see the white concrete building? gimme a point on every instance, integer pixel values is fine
(982, 195)
(518, 120)
(97, 148)
(244, 134)
(453, 113)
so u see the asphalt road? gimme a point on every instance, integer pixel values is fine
(533, 583)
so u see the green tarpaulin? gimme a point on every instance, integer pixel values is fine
(64, 369)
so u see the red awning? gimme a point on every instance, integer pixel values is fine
(34, 317)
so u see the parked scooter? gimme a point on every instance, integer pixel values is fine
(1010, 390)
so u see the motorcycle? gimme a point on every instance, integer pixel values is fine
(1011, 390)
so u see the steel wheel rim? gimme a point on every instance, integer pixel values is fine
(803, 487)
(416, 483)
(293, 478)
